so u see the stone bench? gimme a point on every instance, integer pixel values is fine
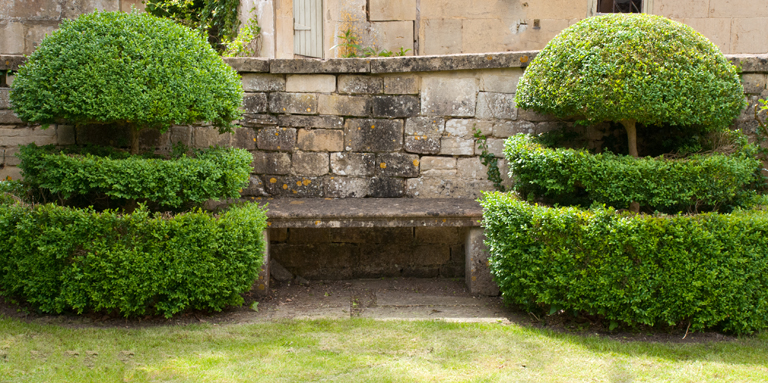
(303, 213)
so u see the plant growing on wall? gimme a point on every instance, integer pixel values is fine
(633, 69)
(215, 19)
(127, 69)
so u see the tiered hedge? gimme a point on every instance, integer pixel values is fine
(58, 258)
(708, 270)
(694, 183)
(210, 174)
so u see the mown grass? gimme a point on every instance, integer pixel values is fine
(361, 351)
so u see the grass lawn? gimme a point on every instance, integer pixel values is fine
(359, 350)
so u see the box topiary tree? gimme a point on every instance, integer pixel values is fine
(633, 68)
(128, 69)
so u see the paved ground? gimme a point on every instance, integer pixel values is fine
(380, 299)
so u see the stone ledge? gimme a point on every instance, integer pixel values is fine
(452, 62)
(373, 212)
(291, 66)
(750, 63)
(248, 64)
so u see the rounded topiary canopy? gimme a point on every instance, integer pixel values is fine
(633, 68)
(130, 69)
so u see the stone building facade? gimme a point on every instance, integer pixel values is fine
(423, 27)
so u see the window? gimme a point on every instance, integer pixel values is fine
(620, 6)
(596, 7)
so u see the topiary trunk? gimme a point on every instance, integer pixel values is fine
(134, 140)
(629, 125)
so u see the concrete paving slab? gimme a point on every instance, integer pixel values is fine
(408, 298)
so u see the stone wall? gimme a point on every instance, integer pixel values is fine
(411, 252)
(353, 128)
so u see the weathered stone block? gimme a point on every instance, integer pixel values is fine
(255, 188)
(385, 10)
(180, 135)
(310, 83)
(441, 36)
(7, 116)
(205, 137)
(395, 106)
(465, 128)
(34, 35)
(500, 80)
(65, 135)
(437, 163)
(506, 180)
(368, 135)
(496, 106)
(352, 84)
(529, 115)
(245, 138)
(151, 139)
(754, 83)
(444, 95)
(309, 164)
(398, 165)
(321, 140)
(361, 65)
(510, 128)
(328, 122)
(257, 82)
(5, 101)
(259, 120)
(445, 187)
(353, 164)
(436, 187)
(71, 9)
(10, 173)
(347, 187)
(344, 105)
(255, 103)
(425, 126)
(271, 163)
(293, 103)
(401, 84)
(10, 38)
(457, 146)
(10, 158)
(495, 146)
(443, 173)
(421, 145)
(384, 187)
(245, 64)
(393, 35)
(377, 235)
(478, 277)
(300, 187)
(472, 169)
(442, 235)
(276, 139)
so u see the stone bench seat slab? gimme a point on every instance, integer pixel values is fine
(373, 212)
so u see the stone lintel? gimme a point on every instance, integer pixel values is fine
(373, 212)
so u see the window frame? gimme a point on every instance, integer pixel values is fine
(647, 7)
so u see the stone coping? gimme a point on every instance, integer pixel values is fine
(749, 63)
(372, 212)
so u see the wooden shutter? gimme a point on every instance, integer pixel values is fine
(308, 28)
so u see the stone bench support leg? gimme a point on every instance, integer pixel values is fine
(478, 274)
(262, 284)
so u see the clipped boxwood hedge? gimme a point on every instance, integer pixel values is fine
(688, 184)
(58, 258)
(709, 270)
(211, 174)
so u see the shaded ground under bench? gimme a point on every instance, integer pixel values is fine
(303, 214)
